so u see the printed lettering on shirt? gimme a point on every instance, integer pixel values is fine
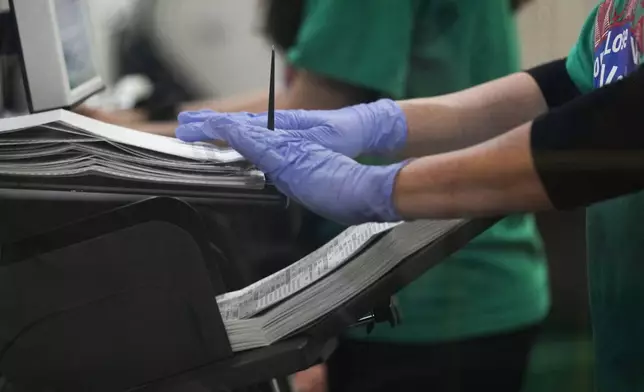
(618, 41)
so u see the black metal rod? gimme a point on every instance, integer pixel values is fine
(271, 94)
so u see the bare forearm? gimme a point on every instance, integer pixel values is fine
(308, 91)
(254, 102)
(494, 178)
(454, 121)
(567, 158)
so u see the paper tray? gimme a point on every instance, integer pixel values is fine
(336, 322)
(316, 343)
(312, 345)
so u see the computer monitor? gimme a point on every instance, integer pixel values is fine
(55, 45)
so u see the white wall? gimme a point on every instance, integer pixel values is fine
(549, 28)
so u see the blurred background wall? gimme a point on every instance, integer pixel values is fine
(221, 47)
(547, 28)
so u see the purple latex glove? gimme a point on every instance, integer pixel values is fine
(328, 183)
(378, 128)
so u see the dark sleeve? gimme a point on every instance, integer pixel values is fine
(555, 82)
(592, 148)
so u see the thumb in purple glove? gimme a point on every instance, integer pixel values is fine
(329, 184)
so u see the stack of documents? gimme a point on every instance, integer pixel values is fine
(293, 298)
(64, 144)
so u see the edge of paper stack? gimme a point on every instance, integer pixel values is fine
(60, 143)
(293, 298)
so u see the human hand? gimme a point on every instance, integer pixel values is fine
(313, 379)
(326, 182)
(376, 128)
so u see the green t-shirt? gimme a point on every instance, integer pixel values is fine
(610, 47)
(416, 48)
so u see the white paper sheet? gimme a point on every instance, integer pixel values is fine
(267, 292)
(166, 145)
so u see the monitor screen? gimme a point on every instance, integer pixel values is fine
(76, 41)
(55, 41)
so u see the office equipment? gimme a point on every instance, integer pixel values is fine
(55, 49)
(118, 292)
(263, 294)
(114, 312)
(64, 144)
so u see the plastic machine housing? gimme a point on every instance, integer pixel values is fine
(124, 299)
(256, 229)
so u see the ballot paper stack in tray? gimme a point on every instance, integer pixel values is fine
(64, 144)
(295, 297)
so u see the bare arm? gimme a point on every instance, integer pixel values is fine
(569, 157)
(454, 121)
(307, 91)
(256, 101)
(253, 102)
(496, 177)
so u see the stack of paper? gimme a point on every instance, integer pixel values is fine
(297, 296)
(63, 144)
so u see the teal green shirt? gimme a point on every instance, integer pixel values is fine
(416, 48)
(609, 47)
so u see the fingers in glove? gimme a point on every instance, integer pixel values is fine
(203, 115)
(258, 145)
(194, 132)
(195, 116)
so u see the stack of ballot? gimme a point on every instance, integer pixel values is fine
(297, 296)
(60, 143)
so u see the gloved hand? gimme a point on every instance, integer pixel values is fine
(327, 183)
(377, 128)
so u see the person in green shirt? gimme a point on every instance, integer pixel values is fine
(561, 135)
(474, 317)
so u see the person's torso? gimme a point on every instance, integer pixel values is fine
(460, 43)
(615, 231)
(499, 281)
